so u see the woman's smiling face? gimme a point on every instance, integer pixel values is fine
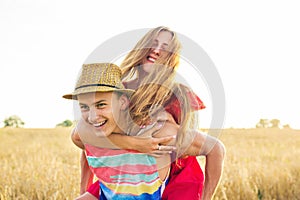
(158, 48)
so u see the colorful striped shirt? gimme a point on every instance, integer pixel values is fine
(124, 174)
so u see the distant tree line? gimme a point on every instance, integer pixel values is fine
(13, 121)
(16, 122)
(273, 123)
(66, 123)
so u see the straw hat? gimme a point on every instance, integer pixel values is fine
(98, 77)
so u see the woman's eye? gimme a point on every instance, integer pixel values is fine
(154, 44)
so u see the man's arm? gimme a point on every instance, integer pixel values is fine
(214, 151)
(213, 169)
(76, 139)
(86, 174)
(202, 145)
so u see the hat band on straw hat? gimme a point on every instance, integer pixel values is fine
(99, 77)
(83, 86)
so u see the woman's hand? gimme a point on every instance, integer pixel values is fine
(158, 138)
(153, 147)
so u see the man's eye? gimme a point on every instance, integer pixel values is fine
(100, 105)
(83, 107)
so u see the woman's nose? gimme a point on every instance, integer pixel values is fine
(157, 50)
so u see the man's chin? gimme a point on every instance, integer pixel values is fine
(101, 133)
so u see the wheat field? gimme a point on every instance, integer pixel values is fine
(44, 164)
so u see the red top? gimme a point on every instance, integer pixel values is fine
(174, 106)
(186, 178)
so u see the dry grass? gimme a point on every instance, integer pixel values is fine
(261, 164)
(38, 164)
(44, 164)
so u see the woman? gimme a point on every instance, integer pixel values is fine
(161, 47)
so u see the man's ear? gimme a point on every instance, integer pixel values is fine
(124, 101)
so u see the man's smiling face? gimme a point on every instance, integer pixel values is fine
(101, 110)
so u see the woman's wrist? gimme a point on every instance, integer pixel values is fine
(124, 141)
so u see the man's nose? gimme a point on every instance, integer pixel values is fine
(93, 116)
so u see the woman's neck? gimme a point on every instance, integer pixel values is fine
(135, 83)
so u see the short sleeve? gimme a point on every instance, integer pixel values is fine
(173, 107)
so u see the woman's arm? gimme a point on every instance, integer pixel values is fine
(144, 143)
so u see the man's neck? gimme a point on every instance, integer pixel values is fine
(122, 123)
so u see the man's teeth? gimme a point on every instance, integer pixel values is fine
(99, 124)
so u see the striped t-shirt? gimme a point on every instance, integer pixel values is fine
(124, 174)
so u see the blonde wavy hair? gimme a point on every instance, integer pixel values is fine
(158, 88)
(151, 98)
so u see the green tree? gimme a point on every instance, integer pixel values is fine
(263, 123)
(13, 121)
(266, 123)
(66, 123)
(275, 123)
(286, 126)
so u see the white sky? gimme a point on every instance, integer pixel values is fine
(254, 45)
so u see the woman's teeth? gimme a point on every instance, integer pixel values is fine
(151, 59)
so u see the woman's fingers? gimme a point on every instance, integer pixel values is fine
(166, 149)
(164, 140)
(150, 130)
(162, 150)
(159, 153)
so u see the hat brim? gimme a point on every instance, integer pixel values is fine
(74, 95)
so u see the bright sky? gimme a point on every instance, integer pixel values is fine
(254, 45)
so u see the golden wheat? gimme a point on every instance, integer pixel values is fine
(261, 164)
(38, 164)
(44, 164)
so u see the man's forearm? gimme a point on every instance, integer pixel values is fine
(86, 174)
(213, 170)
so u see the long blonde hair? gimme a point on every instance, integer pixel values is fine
(154, 97)
(158, 88)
